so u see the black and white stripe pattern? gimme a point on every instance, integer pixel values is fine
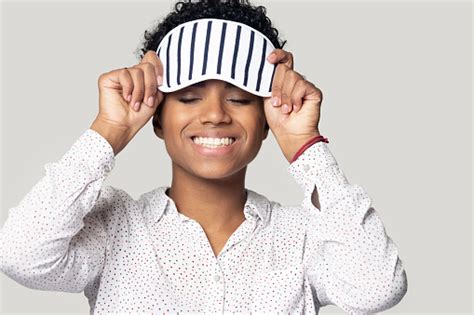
(211, 48)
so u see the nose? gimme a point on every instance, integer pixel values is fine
(214, 110)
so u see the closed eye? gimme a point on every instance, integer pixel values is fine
(187, 100)
(240, 101)
(190, 100)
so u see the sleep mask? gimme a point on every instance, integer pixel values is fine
(212, 48)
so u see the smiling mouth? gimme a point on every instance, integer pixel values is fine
(211, 145)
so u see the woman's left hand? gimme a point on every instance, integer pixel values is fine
(297, 122)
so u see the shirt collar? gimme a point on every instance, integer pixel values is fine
(159, 202)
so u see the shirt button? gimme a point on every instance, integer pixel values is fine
(216, 278)
(306, 167)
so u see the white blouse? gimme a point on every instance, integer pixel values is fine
(70, 233)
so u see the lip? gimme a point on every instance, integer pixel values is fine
(219, 151)
(214, 134)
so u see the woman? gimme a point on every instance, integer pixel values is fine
(205, 243)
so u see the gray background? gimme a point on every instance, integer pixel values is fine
(396, 80)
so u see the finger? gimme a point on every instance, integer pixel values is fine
(310, 92)
(291, 77)
(153, 59)
(119, 80)
(277, 84)
(138, 87)
(281, 56)
(299, 91)
(150, 83)
(126, 82)
(159, 98)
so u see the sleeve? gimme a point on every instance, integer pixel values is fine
(55, 238)
(349, 259)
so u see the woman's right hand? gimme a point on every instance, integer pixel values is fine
(128, 98)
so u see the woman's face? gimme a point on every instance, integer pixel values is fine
(212, 109)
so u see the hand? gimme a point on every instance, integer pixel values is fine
(128, 98)
(297, 122)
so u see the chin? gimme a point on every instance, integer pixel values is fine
(218, 173)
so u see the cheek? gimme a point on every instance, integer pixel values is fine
(173, 120)
(254, 125)
(261, 112)
(260, 117)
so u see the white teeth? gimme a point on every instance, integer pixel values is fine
(213, 142)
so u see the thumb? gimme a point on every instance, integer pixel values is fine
(153, 58)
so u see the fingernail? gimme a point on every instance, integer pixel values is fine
(286, 108)
(150, 101)
(129, 97)
(136, 105)
(275, 101)
(159, 79)
(272, 55)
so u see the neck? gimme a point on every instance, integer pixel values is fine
(216, 205)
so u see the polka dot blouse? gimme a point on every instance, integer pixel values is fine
(70, 233)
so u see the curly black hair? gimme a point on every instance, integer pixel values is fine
(235, 10)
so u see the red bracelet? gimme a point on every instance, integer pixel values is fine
(307, 145)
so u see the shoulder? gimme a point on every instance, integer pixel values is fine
(293, 217)
(115, 204)
(111, 197)
(287, 227)
(289, 215)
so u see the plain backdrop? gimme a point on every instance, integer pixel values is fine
(397, 109)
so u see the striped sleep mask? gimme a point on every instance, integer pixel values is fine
(212, 48)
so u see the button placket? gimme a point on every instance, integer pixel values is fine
(217, 272)
(215, 301)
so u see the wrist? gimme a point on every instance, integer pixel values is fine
(308, 144)
(291, 144)
(117, 136)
